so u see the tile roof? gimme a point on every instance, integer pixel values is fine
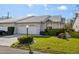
(32, 19)
(12, 20)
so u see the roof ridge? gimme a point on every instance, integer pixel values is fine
(25, 18)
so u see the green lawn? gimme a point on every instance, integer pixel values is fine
(53, 45)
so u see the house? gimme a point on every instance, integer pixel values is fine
(35, 23)
(76, 22)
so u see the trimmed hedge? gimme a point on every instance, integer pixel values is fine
(24, 39)
(53, 32)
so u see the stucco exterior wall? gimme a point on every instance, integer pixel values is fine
(25, 24)
(6, 24)
(76, 23)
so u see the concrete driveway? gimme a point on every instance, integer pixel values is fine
(8, 40)
(9, 50)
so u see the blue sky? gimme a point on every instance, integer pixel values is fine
(19, 10)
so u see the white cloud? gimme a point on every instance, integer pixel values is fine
(30, 14)
(45, 6)
(29, 5)
(62, 7)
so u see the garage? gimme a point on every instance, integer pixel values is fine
(4, 28)
(31, 30)
(34, 23)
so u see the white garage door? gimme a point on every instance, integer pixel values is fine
(21, 30)
(3, 28)
(34, 30)
(31, 30)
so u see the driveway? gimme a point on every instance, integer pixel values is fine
(8, 40)
(9, 50)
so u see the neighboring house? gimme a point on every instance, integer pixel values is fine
(35, 23)
(76, 23)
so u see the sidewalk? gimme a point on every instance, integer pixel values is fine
(8, 50)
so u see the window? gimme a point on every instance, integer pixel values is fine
(49, 27)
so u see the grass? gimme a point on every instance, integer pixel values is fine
(53, 45)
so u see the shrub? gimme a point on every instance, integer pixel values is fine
(74, 34)
(24, 39)
(68, 30)
(54, 32)
(42, 33)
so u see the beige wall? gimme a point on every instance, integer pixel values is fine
(42, 26)
(54, 25)
(76, 24)
(6, 25)
(25, 24)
